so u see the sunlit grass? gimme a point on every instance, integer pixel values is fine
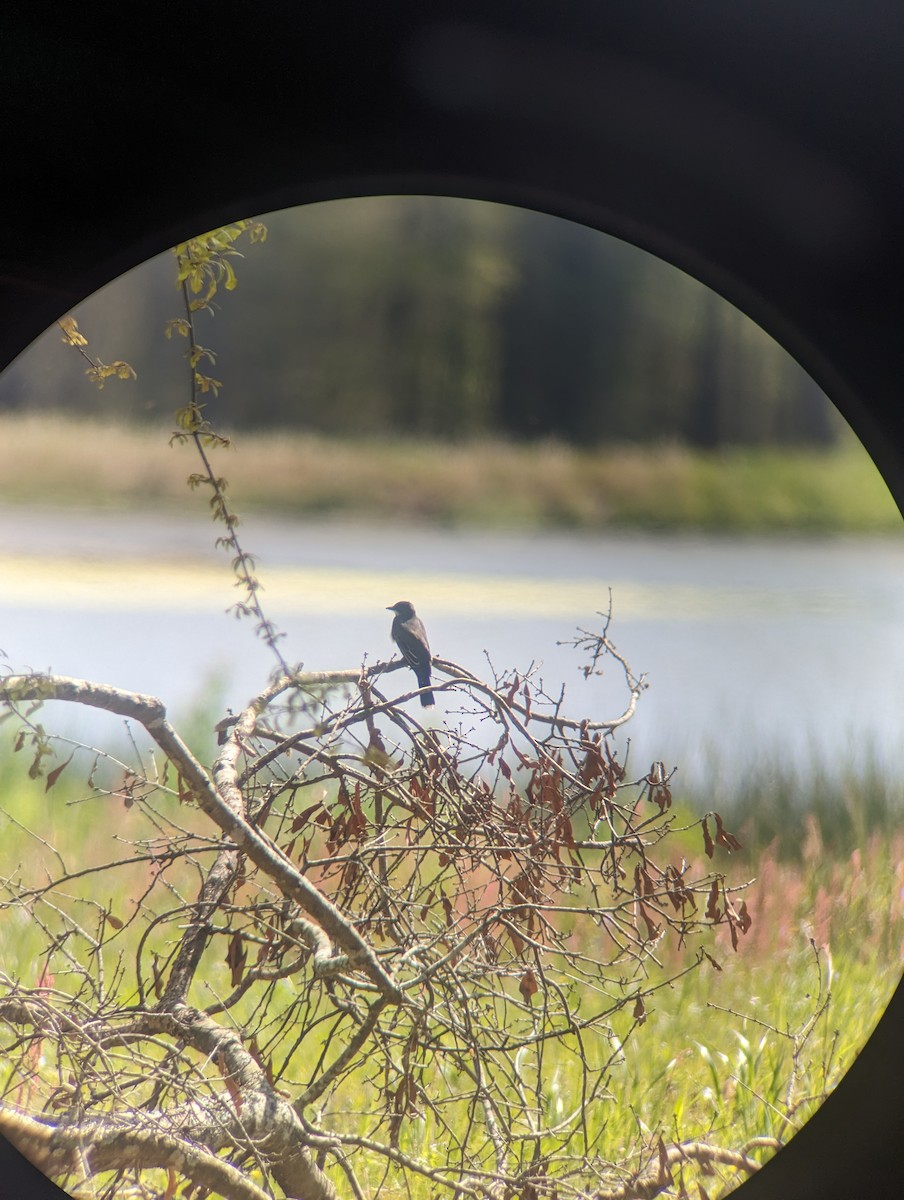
(492, 483)
(744, 1053)
(725, 1056)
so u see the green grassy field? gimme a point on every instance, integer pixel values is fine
(743, 1054)
(724, 1056)
(54, 459)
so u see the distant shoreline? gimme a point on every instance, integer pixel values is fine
(53, 459)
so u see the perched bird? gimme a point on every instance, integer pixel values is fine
(410, 636)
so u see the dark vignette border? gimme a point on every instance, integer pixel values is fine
(756, 146)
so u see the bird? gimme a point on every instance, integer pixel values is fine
(410, 636)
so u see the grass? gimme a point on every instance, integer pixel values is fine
(742, 1053)
(56, 459)
(749, 1052)
(724, 1056)
(781, 810)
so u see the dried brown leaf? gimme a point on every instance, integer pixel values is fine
(665, 1171)
(57, 772)
(707, 839)
(303, 817)
(652, 927)
(723, 837)
(236, 955)
(528, 986)
(713, 912)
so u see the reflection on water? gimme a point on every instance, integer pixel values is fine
(795, 645)
(99, 586)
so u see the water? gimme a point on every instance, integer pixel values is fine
(789, 647)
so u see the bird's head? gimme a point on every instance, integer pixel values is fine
(402, 608)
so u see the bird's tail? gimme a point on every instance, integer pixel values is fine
(423, 680)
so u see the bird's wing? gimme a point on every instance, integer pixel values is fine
(413, 645)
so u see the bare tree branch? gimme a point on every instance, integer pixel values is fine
(96, 1146)
(383, 918)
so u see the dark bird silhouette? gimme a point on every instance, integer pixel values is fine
(410, 636)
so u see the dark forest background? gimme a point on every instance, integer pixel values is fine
(446, 318)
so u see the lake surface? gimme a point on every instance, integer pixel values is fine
(752, 648)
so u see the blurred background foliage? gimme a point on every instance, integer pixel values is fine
(447, 319)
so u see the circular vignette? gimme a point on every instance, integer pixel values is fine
(786, 204)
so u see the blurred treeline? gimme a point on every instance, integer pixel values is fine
(443, 318)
